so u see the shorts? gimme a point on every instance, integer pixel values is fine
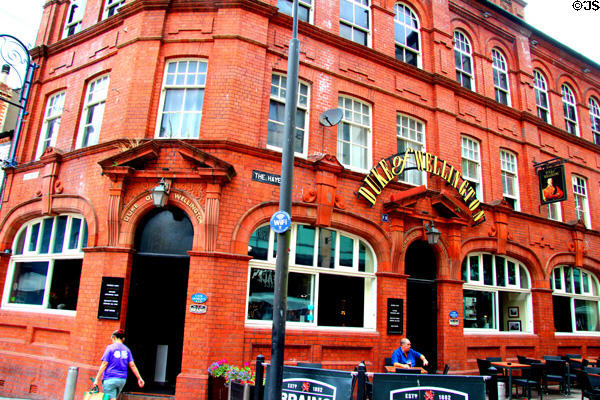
(113, 386)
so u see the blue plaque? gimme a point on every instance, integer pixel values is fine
(198, 298)
(453, 314)
(280, 222)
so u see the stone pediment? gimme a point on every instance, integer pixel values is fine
(420, 201)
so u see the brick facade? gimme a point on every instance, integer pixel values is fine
(244, 43)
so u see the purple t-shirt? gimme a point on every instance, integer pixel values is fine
(118, 356)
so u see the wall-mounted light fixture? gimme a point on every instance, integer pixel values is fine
(486, 14)
(533, 42)
(587, 70)
(160, 193)
(433, 234)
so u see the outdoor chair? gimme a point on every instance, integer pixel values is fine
(590, 385)
(522, 359)
(308, 365)
(491, 385)
(532, 377)
(388, 361)
(494, 359)
(572, 355)
(592, 370)
(551, 357)
(556, 372)
(446, 369)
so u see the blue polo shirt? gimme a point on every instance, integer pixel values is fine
(399, 357)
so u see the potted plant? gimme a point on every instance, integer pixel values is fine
(218, 388)
(241, 382)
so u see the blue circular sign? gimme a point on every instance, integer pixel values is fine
(198, 298)
(453, 314)
(280, 222)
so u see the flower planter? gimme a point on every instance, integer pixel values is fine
(240, 391)
(217, 388)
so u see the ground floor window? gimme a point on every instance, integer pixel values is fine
(331, 280)
(575, 300)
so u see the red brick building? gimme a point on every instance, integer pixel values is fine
(450, 109)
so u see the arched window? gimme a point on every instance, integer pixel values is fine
(500, 78)
(406, 33)
(45, 266)
(331, 278)
(575, 300)
(595, 117)
(463, 59)
(496, 293)
(541, 96)
(569, 110)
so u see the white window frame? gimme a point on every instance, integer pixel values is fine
(36, 255)
(406, 23)
(94, 104)
(352, 24)
(278, 94)
(595, 119)
(471, 154)
(74, 19)
(111, 7)
(500, 71)
(463, 49)
(356, 119)
(592, 294)
(580, 197)
(199, 78)
(51, 125)
(509, 171)
(495, 289)
(541, 92)
(554, 211)
(569, 110)
(285, 6)
(370, 279)
(411, 131)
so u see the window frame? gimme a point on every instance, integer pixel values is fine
(74, 18)
(540, 88)
(476, 183)
(554, 208)
(281, 98)
(595, 118)
(416, 144)
(463, 48)
(353, 25)
(302, 4)
(569, 107)
(509, 169)
(580, 193)
(342, 99)
(111, 8)
(398, 23)
(165, 88)
(54, 108)
(500, 69)
(90, 105)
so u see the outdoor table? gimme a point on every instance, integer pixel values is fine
(510, 366)
(391, 368)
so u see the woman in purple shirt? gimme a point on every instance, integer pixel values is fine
(113, 369)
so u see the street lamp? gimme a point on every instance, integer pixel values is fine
(160, 193)
(433, 234)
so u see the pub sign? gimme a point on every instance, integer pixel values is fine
(552, 184)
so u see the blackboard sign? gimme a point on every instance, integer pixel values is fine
(428, 387)
(394, 316)
(111, 293)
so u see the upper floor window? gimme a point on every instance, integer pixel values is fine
(331, 280)
(93, 111)
(500, 78)
(471, 164)
(354, 134)
(595, 117)
(411, 135)
(569, 109)
(45, 266)
(54, 109)
(111, 7)
(510, 179)
(582, 207)
(541, 96)
(305, 9)
(575, 300)
(406, 33)
(182, 98)
(554, 211)
(464, 60)
(496, 293)
(355, 20)
(74, 17)
(276, 134)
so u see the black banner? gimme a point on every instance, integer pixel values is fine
(111, 293)
(301, 383)
(552, 184)
(427, 387)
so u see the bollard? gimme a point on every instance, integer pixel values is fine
(71, 383)
(361, 382)
(258, 381)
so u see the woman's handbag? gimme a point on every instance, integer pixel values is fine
(95, 394)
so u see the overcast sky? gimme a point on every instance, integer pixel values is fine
(579, 30)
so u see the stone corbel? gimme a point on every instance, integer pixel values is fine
(213, 201)
(577, 247)
(52, 160)
(117, 175)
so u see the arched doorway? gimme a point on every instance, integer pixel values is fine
(157, 298)
(421, 300)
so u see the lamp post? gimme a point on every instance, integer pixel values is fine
(275, 376)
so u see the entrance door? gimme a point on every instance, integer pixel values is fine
(157, 299)
(421, 301)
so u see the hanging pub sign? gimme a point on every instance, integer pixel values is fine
(111, 293)
(390, 168)
(552, 184)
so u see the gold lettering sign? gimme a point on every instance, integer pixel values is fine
(197, 213)
(390, 168)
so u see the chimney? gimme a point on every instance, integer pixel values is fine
(4, 73)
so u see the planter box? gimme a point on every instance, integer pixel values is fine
(217, 389)
(240, 391)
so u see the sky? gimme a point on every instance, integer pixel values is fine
(558, 19)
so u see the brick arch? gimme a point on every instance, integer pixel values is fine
(440, 250)
(547, 72)
(513, 250)
(568, 258)
(458, 24)
(495, 43)
(565, 78)
(127, 229)
(307, 213)
(61, 204)
(591, 92)
(423, 14)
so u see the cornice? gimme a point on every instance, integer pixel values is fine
(479, 20)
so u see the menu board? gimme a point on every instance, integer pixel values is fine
(111, 294)
(395, 312)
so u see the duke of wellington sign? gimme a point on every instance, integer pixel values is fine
(390, 168)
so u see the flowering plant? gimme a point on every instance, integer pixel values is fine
(231, 372)
(219, 368)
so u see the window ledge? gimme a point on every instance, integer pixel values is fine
(294, 327)
(577, 334)
(487, 332)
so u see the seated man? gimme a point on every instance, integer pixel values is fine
(405, 357)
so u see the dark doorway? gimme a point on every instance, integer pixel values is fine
(421, 301)
(157, 299)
